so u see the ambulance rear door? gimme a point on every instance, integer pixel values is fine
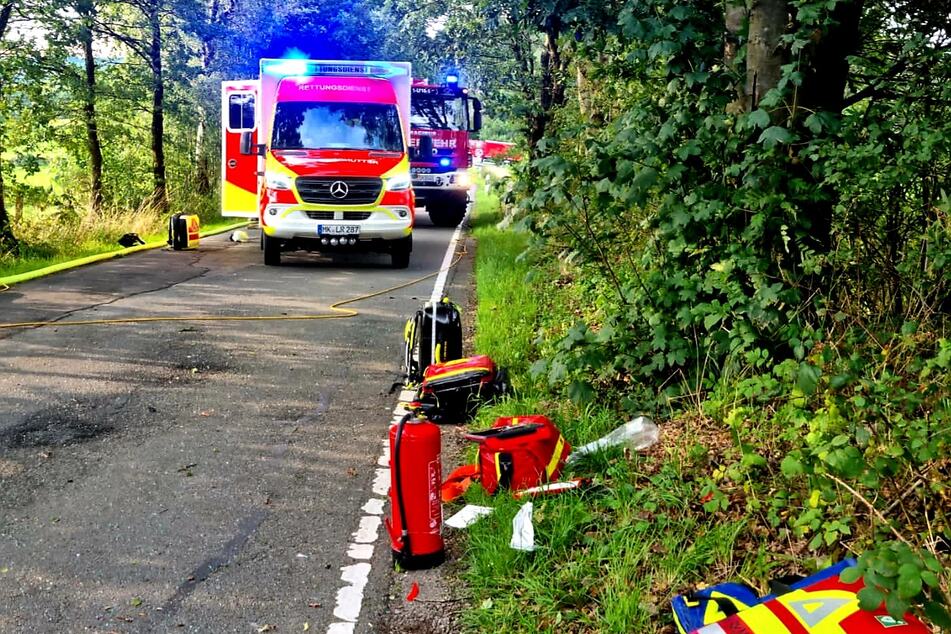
(239, 172)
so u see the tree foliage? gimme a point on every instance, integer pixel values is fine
(759, 193)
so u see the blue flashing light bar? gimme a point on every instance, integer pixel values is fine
(291, 66)
(452, 78)
(445, 162)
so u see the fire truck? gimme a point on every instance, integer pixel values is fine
(442, 118)
(318, 152)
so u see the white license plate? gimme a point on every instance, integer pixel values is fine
(338, 230)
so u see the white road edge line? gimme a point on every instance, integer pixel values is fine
(364, 538)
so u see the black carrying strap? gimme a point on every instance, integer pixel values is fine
(510, 431)
(784, 585)
(506, 470)
(725, 604)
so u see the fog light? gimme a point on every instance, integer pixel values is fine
(334, 242)
(272, 211)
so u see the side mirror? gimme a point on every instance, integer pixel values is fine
(476, 115)
(245, 147)
(425, 148)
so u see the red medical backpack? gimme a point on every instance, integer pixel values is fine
(520, 452)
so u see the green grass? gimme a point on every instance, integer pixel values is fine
(49, 242)
(610, 558)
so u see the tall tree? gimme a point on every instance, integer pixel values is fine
(8, 241)
(143, 34)
(87, 15)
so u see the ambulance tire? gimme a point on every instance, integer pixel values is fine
(399, 252)
(272, 251)
(446, 214)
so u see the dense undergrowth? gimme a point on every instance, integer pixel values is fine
(774, 468)
(747, 238)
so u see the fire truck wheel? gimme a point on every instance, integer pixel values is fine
(272, 251)
(399, 254)
(446, 215)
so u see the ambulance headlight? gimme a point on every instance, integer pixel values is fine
(274, 180)
(398, 183)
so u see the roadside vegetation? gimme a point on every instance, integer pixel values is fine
(110, 110)
(746, 239)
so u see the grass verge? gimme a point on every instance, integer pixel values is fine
(607, 559)
(46, 241)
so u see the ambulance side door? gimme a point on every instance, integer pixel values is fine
(239, 172)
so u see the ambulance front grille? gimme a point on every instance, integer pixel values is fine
(339, 191)
(331, 215)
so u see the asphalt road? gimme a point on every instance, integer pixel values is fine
(201, 476)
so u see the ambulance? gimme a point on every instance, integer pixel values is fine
(317, 151)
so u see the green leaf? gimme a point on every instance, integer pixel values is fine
(791, 467)
(814, 123)
(753, 460)
(538, 368)
(930, 578)
(580, 392)
(909, 581)
(938, 614)
(759, 118)
(645, 178)
(851, 575)
(775, 135)
(870, 598)
(808, 378)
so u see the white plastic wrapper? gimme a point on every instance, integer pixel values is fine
(469, 515)
(523, 531)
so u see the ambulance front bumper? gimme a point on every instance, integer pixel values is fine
(294, 222)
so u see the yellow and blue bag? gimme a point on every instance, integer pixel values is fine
(819, 604)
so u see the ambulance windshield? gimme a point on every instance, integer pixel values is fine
(308, 125)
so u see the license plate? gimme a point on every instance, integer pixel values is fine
(338, 230)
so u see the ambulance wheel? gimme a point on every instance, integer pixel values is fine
(399, 252)
(446, 214)
(272, 251)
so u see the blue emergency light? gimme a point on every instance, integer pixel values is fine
(452, 78)
(445, 162)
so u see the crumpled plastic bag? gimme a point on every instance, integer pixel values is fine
(523, 531)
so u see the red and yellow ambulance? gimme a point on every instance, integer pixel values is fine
(317, 151)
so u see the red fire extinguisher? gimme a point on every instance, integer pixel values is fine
(415, 477)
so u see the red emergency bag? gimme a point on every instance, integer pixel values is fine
(519, 452)
(451, 392)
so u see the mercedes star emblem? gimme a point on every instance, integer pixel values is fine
(339, 189)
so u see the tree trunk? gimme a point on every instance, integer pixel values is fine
(202, 168)
(764, 58)
(823, 89)
(824, 82)
(735, 18)
(8, 241)
(552, 92)
(160, 189)
(86, 9)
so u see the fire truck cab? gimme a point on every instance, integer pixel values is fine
(442, 118)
